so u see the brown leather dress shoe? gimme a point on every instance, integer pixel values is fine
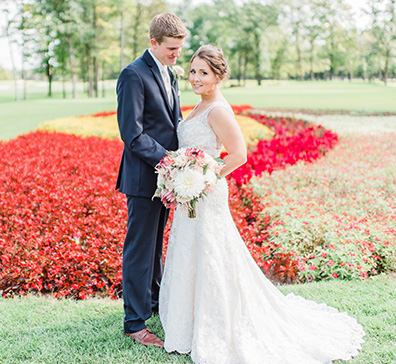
(146, 338)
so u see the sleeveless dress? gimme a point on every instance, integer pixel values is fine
(217, 305)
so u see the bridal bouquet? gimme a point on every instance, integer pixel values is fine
(185, 176)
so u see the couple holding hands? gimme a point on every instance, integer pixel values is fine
(213, 300)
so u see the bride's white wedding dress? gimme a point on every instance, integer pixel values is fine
(215, 302)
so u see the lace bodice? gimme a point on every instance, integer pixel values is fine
(195, 132)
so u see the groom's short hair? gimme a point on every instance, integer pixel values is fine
(167, 25)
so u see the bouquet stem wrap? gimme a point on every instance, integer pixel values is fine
(192, 212)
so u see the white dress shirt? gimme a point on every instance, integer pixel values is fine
(165, 77)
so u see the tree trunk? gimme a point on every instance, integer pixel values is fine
(239, 68)
(386, 68)
(244, 72)
(122, 39)
(311, 67)
(103, 80)
(331, 73)
(63, 79)
(14, 70)
(299, 58)
(364, 69)
(90, 77)
(257, 61)
(332, 57)
(72, 68)
(49, 75)
(25, 93)
(89, 70)
(96, 76)
(135, 38)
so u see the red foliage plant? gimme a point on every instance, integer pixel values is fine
(61, 221)
(62, 224)
(294, 141)
(252, 222)
(104, 114)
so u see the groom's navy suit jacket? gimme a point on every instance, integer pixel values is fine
(147, 124)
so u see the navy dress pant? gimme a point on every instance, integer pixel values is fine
(142, 260)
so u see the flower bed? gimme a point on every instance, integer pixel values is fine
(294, 141)
(101, 124)
(62, 224)
(339, 214)
(104, 124)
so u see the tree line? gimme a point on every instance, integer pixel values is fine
(92, 40)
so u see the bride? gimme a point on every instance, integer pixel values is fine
(215, 303)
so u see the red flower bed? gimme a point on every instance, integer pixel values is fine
(104, 114)
(252, 221)
(62, 225)
(61, 222)
(294, 141)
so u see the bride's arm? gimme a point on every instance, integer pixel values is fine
(227, 129)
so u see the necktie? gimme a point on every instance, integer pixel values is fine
(165, 76)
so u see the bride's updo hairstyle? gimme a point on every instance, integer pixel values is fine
(214, 57)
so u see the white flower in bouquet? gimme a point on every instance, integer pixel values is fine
(189, 183)
(210, 181)
(211, 177)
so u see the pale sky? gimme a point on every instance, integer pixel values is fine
(5, 59)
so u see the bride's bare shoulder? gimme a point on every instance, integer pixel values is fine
(221, 114)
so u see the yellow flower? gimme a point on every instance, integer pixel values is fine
(107, 127)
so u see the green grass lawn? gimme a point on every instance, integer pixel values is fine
(24, 116)
(46, 330)
(319, 95)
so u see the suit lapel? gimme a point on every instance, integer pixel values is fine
(158, 78)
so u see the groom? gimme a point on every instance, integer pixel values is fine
(148, 114)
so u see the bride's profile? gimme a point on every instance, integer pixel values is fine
(215, 303)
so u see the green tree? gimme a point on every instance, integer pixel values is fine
(9, 30)
(295, 14)
(43, 25)
(335, 17)
(383, 31)
(256, 19)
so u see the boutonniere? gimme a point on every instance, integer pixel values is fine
(177, 72)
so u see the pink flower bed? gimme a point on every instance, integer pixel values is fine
(339, 214)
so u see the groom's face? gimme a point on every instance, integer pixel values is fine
(168, 50)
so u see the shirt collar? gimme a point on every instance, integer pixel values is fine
(161, 67)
